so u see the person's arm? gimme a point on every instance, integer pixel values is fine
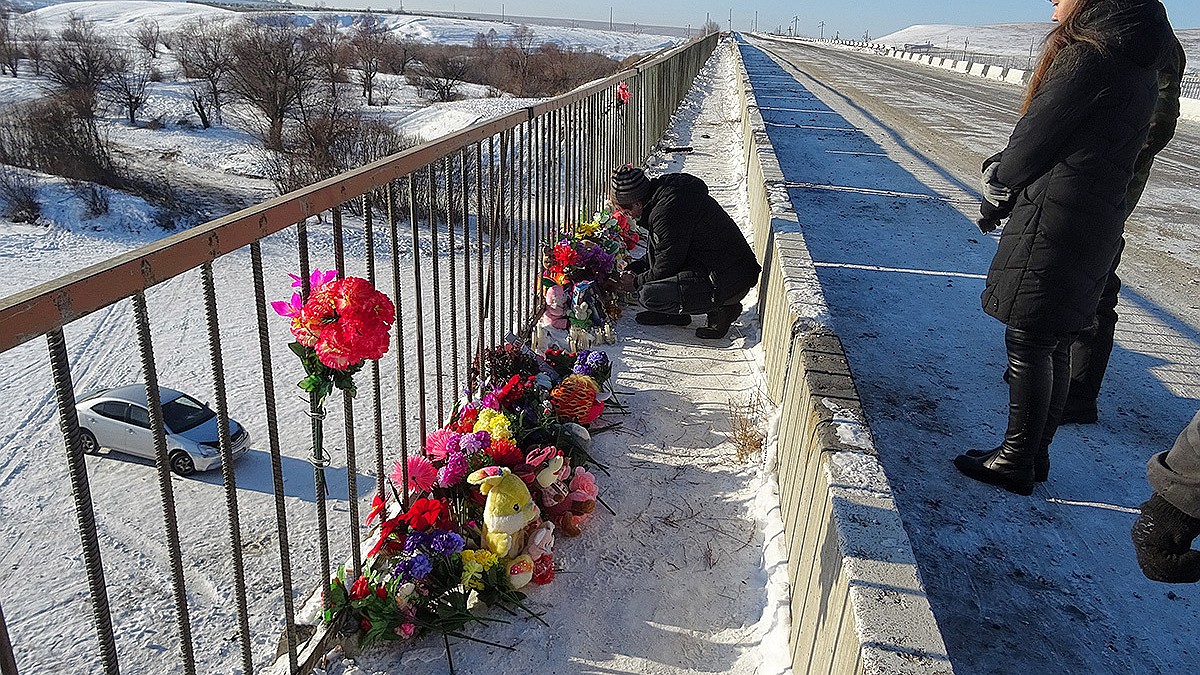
(1170, 519)
(671, 224)
(1068, 93)
(1162, 124)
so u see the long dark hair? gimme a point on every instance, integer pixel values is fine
(1070, 30)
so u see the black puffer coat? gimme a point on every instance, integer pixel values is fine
(1068, 163)
(689, 231)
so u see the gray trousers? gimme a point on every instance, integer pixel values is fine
(1176, 474)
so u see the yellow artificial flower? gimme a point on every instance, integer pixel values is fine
(495, 423)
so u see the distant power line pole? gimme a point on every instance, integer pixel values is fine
(610, 17)
(730, 19)
(795, 19)
(821, 25)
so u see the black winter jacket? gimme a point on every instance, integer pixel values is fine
(689, 231)
(1068, 163)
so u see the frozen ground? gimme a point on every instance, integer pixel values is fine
(882, 157)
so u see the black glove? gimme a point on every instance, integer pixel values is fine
(1162, 537)
(986, 225)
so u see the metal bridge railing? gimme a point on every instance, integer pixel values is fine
(456, 225)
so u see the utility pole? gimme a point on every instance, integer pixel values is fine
(821, 25)
(756, 21)
(794, 20)
(502, 12)
(610, 17)
(730, 19)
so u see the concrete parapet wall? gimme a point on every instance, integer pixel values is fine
(994, 73)
(1015, 76)
(962, 66)
(978, 68)
(858, 604)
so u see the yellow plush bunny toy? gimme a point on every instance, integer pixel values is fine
(508, 510)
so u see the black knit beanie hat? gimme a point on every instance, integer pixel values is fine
(629, 185)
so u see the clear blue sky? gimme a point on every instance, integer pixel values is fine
(849, 17)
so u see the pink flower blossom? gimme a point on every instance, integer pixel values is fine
(441, 443)
(421, 474)
(623, 94)
(316, 279)
(289, 308)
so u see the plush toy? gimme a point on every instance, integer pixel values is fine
(569, 515)
(551, 474)
(540, 542)
(508, 510)
(555, 314)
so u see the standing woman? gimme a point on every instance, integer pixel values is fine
(1061, 181)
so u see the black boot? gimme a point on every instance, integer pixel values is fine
(1041, 462)
(648, 318)
(719, 321)
(1037, 374)
(1011, 469)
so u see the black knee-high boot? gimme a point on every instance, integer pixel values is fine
(1031, 394)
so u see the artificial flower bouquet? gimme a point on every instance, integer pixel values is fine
(492, 490)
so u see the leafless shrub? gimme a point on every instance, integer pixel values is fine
(35, 41)
(49, 136)
(18, 191)
(10, 42)
(78, 64)
(440, 74)
(95, 200)
(745, 418)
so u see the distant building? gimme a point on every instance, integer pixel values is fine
(918, 48)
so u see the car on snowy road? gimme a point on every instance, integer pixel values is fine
(119, 419)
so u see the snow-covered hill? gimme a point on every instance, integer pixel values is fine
(125, 14)
(1009, 39)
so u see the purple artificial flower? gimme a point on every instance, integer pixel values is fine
(413, 569)
(597, 359)
(417, 542)
(476, 442)
(455, 471)
(447, 543)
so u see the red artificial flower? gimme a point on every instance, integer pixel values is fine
(365, 625)
(505, 453)
(423, 514)
(543, 570)
(377, 506)
(346, 321)
(623, 94)
(565, 255)
(360, 589)
(466, 421)
(385, 536)
(381, 592)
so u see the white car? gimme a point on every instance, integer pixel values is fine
(118, 419)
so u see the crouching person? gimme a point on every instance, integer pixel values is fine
(697, 261)
(1170, 520)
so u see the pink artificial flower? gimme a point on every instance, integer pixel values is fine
(583, 485)
(289, 308)
(421, 474)
(623, 94)
(441, 443)
(316, 279)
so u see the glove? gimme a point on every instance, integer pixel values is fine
(986, 225)
(995, 193)
(1162, 537)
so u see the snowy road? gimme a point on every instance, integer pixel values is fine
(882, 158)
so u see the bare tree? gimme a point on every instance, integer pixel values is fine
(371, 43)
(35, 40)
(440, 74)
(272, 72)
(78, 65)
(204, 48)
(127, 86)
(710, 26)
(516, 53)
(330, 49)
(147, 35)
(10, 42)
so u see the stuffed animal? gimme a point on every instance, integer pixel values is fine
(555, 314)
(569, 515)
(508, 510)
(551, 474)
(540, 542)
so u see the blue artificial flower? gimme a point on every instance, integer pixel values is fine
(447, 543)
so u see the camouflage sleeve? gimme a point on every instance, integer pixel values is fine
(1176, 474)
